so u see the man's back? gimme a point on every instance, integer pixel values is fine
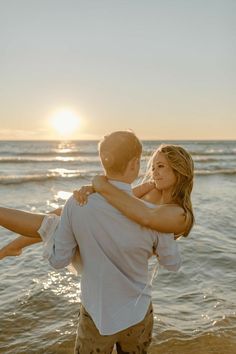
(114, 253)
(98, 227)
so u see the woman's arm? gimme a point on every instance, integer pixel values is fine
(82, 194)
(163, 218)
(140, 190)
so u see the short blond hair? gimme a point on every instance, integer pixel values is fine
(117, 149)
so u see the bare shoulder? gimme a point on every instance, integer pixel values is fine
(172, 212)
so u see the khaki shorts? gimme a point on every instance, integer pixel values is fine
(135, 339)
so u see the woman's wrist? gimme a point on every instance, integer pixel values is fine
(99, 183)
(90, 189)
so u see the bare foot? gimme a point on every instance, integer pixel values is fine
(9, 251)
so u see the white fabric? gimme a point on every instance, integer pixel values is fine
(46, 231)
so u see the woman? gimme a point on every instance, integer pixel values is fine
(168, 185)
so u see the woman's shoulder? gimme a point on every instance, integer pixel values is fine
(152, 196)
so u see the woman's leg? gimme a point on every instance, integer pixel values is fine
(21, 222)
(24, 223)
(14, 248)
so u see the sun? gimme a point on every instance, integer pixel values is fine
(65, 122)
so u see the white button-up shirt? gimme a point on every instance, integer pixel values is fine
(114, 254)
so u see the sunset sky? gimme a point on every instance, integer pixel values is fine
(79, 69)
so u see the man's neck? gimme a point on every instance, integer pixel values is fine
(119, 178)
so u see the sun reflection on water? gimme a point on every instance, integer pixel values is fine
(64, 285)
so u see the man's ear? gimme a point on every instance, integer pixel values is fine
(133, 163)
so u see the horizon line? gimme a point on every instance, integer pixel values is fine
(142, 139)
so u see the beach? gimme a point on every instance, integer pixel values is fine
(194, 309)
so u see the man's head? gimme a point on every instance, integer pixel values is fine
(120, 154)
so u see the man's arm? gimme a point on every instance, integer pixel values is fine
(168, 252)
(61, 247)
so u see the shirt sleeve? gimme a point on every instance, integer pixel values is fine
(60, 245)
(168, 252)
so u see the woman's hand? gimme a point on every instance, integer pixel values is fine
(81, 195)
(98, 183)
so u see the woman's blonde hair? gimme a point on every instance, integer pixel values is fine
(182, 164)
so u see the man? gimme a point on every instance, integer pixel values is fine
(116, 300)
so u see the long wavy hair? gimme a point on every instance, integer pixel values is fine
(182, 164)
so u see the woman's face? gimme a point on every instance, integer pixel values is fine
(162, 173)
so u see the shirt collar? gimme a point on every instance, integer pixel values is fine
(121, 185)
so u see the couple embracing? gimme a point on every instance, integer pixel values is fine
(109, 231)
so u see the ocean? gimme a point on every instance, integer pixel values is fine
(195, 309)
